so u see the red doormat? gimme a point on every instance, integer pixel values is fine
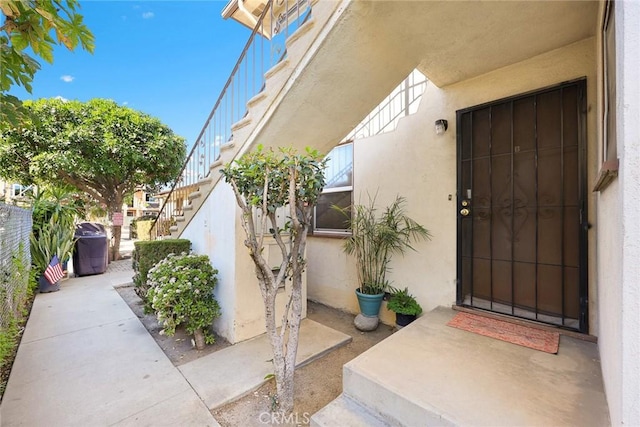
(536, 339)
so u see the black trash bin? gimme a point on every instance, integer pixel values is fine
(91, 255)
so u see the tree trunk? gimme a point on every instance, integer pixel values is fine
(198, 337)
(116, 231)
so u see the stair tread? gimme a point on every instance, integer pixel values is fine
(345, 411)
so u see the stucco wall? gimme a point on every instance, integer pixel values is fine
(414, 162)
(619, 235)
(212, 233)
(216, 231)
(250, 320)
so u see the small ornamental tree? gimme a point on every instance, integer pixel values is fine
(103, 149)
(263, 182)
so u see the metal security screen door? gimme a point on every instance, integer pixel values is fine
(521, 207)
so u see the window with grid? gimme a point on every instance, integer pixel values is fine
(337, 192)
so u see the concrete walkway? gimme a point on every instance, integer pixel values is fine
(85, 359)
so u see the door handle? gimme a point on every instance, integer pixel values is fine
(464, 212)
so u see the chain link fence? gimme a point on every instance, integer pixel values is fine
(15, 261)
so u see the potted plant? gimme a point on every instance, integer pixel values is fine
(404, 305)
(374, 239)
(52, 240)
(54, 212)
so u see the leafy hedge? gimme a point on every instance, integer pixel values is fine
(147, 254)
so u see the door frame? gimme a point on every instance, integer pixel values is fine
(583, 286)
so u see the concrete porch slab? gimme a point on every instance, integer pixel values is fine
(432, 374)
(231, 373)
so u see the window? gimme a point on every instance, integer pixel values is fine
(609, 169)
(609, 45)
(17, 190)
(337, 191)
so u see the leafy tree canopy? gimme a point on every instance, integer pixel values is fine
(101, 148)
(33, 24)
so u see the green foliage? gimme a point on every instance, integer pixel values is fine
(263, 182)
(59, 202)
(30, 24)
(147, 254)
(8, 340)
(17, 285)
(402, 302)
(53, 239)
(55, 210)
(181, 291)
(250, 173)
(14, 281)
(98, 147)
(374, 239)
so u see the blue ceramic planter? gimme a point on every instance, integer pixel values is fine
(369, 304)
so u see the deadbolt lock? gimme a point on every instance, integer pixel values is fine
(465, 203)
(464, 212)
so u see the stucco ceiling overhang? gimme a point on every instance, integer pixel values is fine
(376, 44)
(456, 40)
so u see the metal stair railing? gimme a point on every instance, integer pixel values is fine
(264, 49)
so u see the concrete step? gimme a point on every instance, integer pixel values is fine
(245, 121)
(346, 412)
(391, 404)
(205, 181)
(430, 374)
(216, 164)
(256, 99)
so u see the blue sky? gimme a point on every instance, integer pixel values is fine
(169, 59)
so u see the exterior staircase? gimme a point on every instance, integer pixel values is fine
(327, 82)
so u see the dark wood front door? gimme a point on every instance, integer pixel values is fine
(521, 206)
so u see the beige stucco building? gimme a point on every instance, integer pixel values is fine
(542, 148)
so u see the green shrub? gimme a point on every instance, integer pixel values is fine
(181, 291)
(143, 228)
(403, 302)
(147, 254)
(8, 341)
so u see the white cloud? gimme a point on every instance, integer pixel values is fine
(147, 15)
(125, 103)
(61, 98)
(67, 78)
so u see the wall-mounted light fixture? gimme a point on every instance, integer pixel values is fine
(441, 126)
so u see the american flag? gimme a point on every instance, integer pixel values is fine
(53, 273)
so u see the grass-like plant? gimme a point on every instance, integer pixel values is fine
(375, 238)
(181, 292)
